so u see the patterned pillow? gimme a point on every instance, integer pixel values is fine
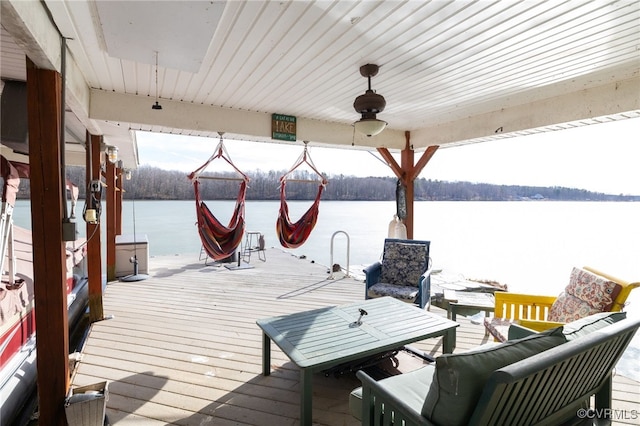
(586, 294)
(403, 263)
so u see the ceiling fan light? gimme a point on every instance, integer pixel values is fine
(370, 126)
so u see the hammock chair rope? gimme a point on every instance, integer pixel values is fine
(220, 152)
(293, 235)
(218, 240)
(304, 158)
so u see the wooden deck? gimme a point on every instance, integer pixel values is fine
(183, 347)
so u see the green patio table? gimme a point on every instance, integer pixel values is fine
(323, 338)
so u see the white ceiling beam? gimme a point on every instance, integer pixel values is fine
(255, 126)
(29, 24)
(614, 98)
(31, 28)
(609, 99)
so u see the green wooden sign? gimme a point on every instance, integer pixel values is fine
(283, 127)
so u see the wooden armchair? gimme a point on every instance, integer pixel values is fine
(404, 273)
(540, 313)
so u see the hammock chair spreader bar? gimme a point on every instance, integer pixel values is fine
(293, 235)
(303, 180)
(220, 178)
(219, 241)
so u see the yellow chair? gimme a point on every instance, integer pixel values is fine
(531, 311)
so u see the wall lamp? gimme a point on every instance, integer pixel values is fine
(112, 154)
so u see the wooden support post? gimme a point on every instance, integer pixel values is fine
(111, 220)
(406, 164)
(94, 244)
(407, 173)
(44, 88)
(119, 198)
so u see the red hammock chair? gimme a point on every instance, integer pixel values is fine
(293, 235)
(219, 241)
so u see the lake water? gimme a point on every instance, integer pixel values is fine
(531, 246)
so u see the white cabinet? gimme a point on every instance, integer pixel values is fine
(128, 246)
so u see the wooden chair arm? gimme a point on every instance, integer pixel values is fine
(524, 298)
(538, 325)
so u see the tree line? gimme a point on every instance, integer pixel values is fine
(152, 183)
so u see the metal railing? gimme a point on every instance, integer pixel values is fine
(348, 250)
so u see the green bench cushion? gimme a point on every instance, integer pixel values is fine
(574, 329)
(459, 378)
(587, 325)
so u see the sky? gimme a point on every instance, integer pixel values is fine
(600, 158)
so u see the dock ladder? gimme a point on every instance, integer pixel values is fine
(348, 250)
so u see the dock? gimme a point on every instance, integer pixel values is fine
(182, 347)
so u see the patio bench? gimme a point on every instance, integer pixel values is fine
(544, 378)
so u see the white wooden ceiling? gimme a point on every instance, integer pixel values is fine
(452, 72)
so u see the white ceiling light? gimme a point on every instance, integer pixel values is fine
(370, 126)
(368, 105)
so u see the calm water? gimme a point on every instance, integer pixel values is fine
(528, 245)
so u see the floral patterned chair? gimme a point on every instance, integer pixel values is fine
(404, 272)
(589, 291)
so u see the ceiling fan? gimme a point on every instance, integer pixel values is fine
(368, 105)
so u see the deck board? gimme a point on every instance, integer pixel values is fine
(183, 347)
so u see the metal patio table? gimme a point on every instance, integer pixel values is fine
(319, 339)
